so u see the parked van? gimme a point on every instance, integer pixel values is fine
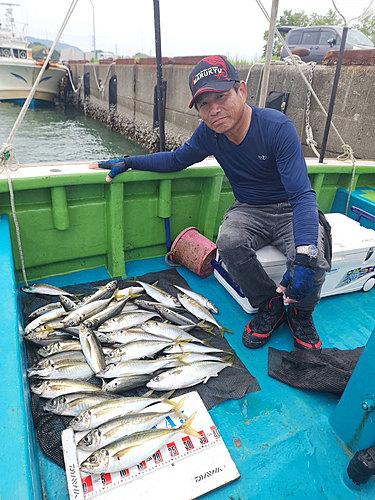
(320, 39)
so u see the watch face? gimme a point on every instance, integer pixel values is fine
(312, 251)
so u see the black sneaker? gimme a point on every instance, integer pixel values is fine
(270, 315)
(302, 325)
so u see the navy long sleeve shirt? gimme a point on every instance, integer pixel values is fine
(267, 167)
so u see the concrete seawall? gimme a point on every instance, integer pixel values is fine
(354, 112)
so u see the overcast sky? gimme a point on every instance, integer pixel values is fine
(188, 27)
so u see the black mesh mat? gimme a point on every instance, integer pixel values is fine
(232, 382)
(328, 371)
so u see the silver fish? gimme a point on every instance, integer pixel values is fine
(173, 316)
(63, 346)
(199, 298)
(101, 413)
(57, 370)
(60, 356)
(45, 318)
(126, 320)
(73, 404)
(68, 304)
(122, 384)
(101, 292)
(132, 367)
(133, 449)
(160, 295)
(113, 309)
(137, 350)
(198, 310)
(188, 358)
(130, 292)
(167, 330)
(129, 335)
(192, 347)
(92, 349)
(43, 309)
(53, 388)
(124, 426)
(45, 289)
(186, 376)
(82, 313)
(48, 337)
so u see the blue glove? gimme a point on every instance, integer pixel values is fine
(303, 278)
(118, 169)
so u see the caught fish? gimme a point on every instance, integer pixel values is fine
(60, 356)
(112, 310)
(192, 347)
(146, 304)
(126, 320)
(169, 331)
(53, 388)
(188, 358)
(63, 346)
(124, 426)
(130, 292)
(72, 405)
(43, 309)
(92, 349)
(199, 311)
(187, 376)
(45, 318)
(199, 298)
(68, 304)
(138, 349)
(133, 449)
(160, 295)
(132, 367)
(114, 408)
(47, 337)
(127, 336)
(101, 292)
(82, 313)
(57, 370)
(122, 384)
(45, 289)
(173, 316)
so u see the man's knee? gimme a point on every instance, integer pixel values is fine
(231, 244)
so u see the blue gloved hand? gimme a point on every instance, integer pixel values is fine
(118, 169)
(303, 278)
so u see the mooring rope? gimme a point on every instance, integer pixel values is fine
(8, 159)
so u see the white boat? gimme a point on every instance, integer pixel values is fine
(18, 70)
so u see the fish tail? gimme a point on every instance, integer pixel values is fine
(148, 393)
(178, 407)
(222, 329)
(186, 427)
(206, 328)
(76, 295)
(230, 359)
(166, 398)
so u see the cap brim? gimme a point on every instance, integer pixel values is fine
(223, 86)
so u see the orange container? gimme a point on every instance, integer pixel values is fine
(194, 251)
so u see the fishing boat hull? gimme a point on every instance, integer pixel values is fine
(75, 228)
(18, 76)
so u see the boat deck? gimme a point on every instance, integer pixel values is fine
(280, 438)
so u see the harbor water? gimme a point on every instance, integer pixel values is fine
(53, 133)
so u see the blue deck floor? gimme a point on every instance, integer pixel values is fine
(280, 438)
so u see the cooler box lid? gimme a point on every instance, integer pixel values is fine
(348, 236)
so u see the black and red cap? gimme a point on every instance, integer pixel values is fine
(212, 74)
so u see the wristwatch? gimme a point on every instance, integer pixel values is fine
(309, 250)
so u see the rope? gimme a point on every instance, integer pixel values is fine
(309, 132)
(8, 159)
(16, 225)
(101, 86)
(75, 90)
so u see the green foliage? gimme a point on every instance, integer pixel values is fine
(140, 55)
(40, 51)
(302, 19)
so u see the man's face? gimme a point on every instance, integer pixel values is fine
(222, 111)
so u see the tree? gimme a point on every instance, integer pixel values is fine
(40, 51)
(302, 19)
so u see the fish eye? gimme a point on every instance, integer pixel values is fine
(86, 439)
(157, 378)
(92, 460)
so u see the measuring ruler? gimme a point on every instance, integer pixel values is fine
(197, 463)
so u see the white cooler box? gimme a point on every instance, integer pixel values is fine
(353, 261)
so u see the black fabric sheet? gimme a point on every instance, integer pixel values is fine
(327, 371)
(231, 383)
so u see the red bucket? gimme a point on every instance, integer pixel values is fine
(193, 250)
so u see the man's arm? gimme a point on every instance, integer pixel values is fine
(193, 151)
